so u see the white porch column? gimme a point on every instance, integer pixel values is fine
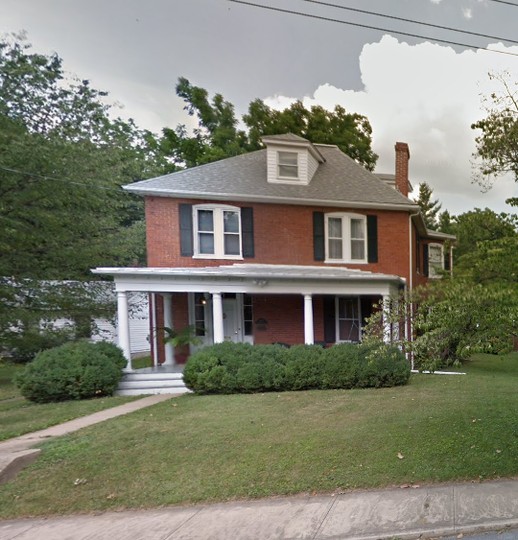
(217, 315)
(123, 327)
(387, 326)
(168, 322)
(309, 334)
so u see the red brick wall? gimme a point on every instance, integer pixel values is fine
(284, 316)
(283, 234)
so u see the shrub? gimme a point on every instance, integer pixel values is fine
(22, 347)
(78, 370)
(241, 368)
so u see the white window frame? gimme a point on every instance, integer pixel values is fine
(219, 234)
(435, 267)
(295, 178)
(346, 218)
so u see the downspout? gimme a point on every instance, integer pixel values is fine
(408, 328)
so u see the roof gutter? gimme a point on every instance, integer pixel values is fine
(269, 199)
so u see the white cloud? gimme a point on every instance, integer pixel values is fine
(428, 96)
(467, 13)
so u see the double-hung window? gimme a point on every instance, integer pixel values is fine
(346, 238)
(435, 260)
(288, 165)
(217, 232)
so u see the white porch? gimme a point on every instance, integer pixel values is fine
(217, 283)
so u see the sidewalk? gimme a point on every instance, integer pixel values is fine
(427, 512)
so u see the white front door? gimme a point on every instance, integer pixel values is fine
(231, 330)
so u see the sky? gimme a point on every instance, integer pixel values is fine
(412, 89)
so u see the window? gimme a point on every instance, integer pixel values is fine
(288, 165)
(248, 316)
(217, 232)
(348, 319)
(200, 302)
(435, 260)
(346, 238)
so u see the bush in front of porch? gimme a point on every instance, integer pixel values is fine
(228, 368)
(75, 370)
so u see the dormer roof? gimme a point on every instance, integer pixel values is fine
(290, 139)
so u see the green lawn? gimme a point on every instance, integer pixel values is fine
(19, 416)
(213, 448)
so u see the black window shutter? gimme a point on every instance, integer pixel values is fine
(329, 319)
(319, 251)
(447, 261)
(186, 248)
(372, 239)
(425, 259)
(247, 232)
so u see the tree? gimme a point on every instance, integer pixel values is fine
(497, 146)
(217, 136)
(476, 226)
(351, 132)
(63, 159)
(429, 208)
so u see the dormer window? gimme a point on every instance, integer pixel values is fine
(287, 165)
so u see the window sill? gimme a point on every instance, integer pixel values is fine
(327, 261)
(219, 257)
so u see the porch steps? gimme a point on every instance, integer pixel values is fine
(135, 384)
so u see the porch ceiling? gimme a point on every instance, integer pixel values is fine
(254, 278)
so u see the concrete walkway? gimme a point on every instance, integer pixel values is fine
(424, 512)
(19, 452)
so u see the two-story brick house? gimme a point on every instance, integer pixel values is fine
(294, 243)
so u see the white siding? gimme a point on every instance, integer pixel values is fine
(272, 160)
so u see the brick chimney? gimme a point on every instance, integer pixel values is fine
(402, 159)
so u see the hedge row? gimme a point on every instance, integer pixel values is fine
(229, 368)
(78, 370)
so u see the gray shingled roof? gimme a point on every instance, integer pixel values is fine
(337, 182)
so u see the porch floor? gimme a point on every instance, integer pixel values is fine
(177, 368)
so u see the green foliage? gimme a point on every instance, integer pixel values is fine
(180, 338)
(63, 159)
(217, 137)
(429, 208)
(451, 320)
(77, 370)
(241, 368)
(497, 146)
(479, 225)
(30, 308)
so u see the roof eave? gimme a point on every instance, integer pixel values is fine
(270, 199)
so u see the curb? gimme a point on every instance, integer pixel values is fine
(12, 464)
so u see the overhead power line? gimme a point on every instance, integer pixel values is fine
(505, 2)
(393, 17)
(73, 182)
(380, 29)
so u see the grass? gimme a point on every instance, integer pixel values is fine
(19, 416)
(214, 448)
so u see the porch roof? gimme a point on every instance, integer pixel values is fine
(254, 278)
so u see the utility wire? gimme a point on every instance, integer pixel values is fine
(393, 17)
(25, 173)
(504, 2)
(340, 21)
